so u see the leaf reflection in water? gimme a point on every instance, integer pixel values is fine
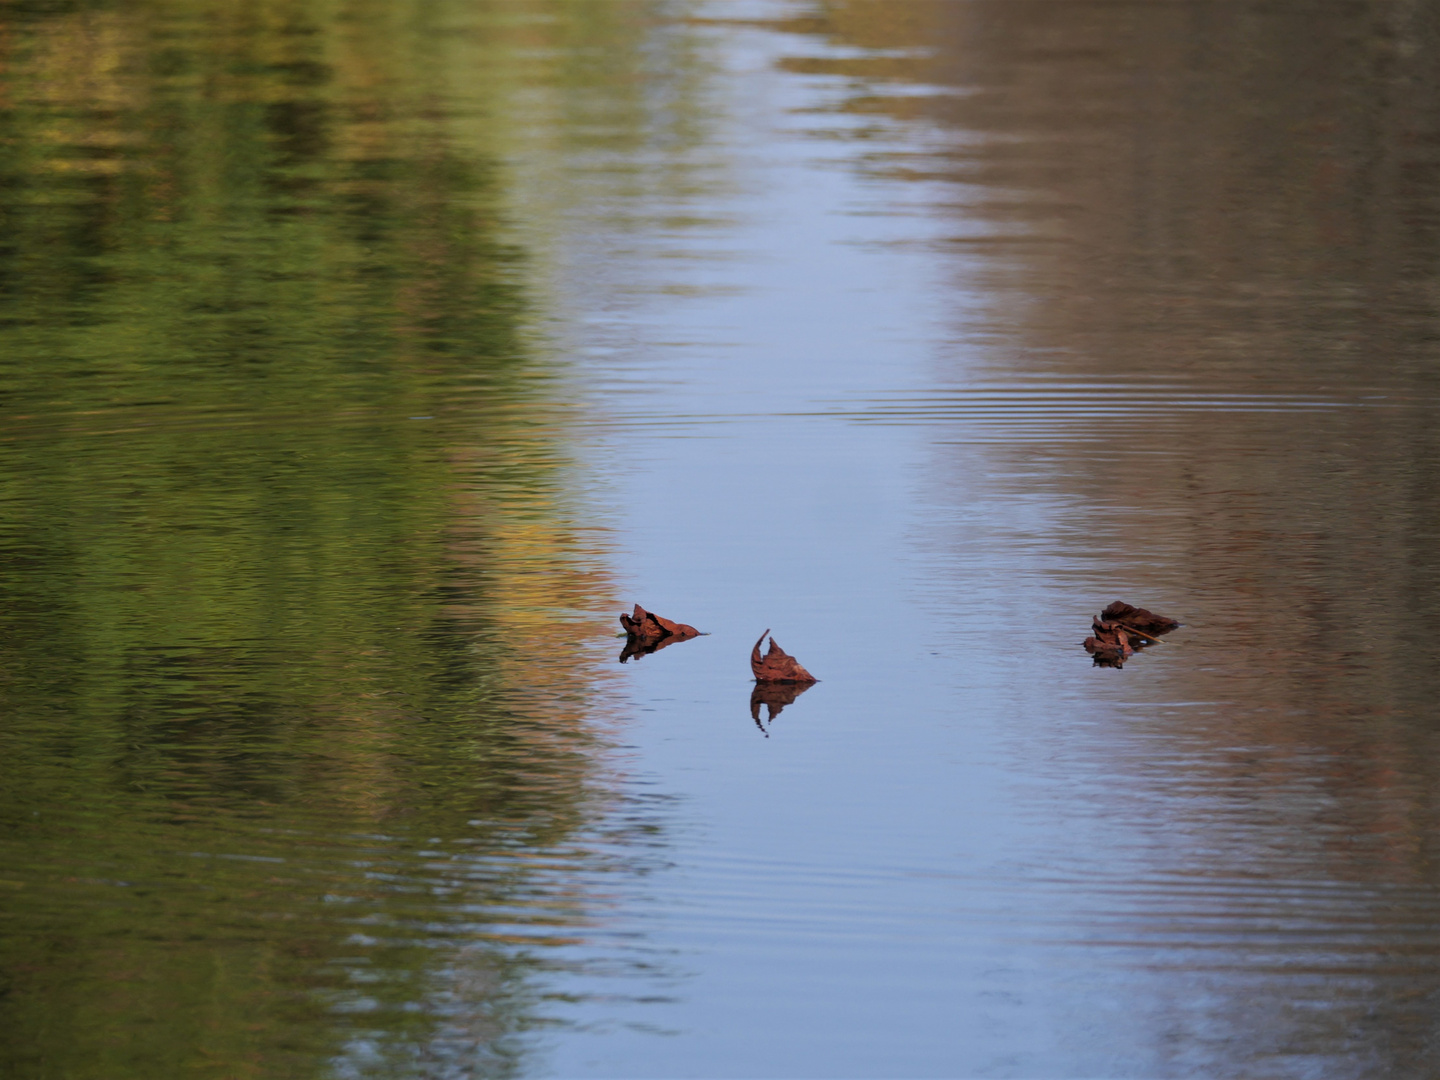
(774, 696)
(640, 647)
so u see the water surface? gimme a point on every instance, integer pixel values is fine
(362, 363)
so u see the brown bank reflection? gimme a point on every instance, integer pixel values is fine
(1207, 242)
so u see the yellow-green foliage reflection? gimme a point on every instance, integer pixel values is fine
(285, 538)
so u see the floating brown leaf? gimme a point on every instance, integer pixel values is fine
(774, 696)
(1137, 618)
(1120, 624)
(1110, 645)
(647, 626)
(777, 665)
(647, 632)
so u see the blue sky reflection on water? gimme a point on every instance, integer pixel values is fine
(828, 908)
(964, 852)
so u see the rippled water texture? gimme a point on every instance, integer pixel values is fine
(361, 362)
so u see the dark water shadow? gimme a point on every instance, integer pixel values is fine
(774, 696)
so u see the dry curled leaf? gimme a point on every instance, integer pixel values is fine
(1110, 645)
(647, 632)
(777, 665)
(774, 696)
(1137, 618)
(1117, 626)
(647, 626)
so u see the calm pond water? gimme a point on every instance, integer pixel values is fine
(363, 361)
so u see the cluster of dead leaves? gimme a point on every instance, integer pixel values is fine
(1120, 630)
(646, 632)
(779, 677)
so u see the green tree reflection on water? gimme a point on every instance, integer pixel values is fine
(287, 789)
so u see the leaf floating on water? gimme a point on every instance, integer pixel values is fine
(647, 626)
(647, 633)
(1117, 626)
(774, 696)
(777, 665)
(1109, 647)
(1137, 618)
